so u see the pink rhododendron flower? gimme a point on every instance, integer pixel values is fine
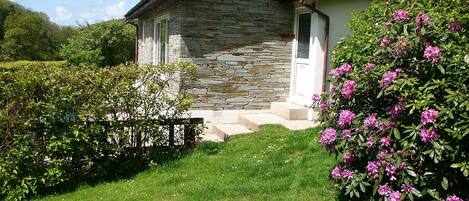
(429, 116)
(346, 117)
(399, 49)
(403, 165)
(391, 171)
(347, 174)
(422, 19)
(385, 42)
(316, 97)
(453, 198)
(348, 89)
(396, 110)
(346, 68)
(406, 188)
(370, 141)
(373, 168)
(346, 133)
(383, 154)
(389, 77)
(347, 157)
(328, 137)
(369, 67)
(385, 141)
(454, 26)
(394, 196)
(324, 106)
(336, 172)
(432, 54)
(389, 24)
(384, 190)
(427, 135)
(343, 69)
(333, 89)
(371, 121)
(401, 15)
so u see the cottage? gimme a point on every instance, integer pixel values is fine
(250, 53)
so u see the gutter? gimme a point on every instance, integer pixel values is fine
(326, 39)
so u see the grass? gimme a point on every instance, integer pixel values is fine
(23, 63)
(272, 164)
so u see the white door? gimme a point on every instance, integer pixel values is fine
(308, 58)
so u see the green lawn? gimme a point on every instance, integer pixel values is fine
(272, 164)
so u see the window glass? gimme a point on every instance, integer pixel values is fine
(163, 40)
(304, 34)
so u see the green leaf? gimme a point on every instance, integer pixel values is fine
(411, 173)
(397, 134)
(442, 70)
(444, 183)
(456, 165)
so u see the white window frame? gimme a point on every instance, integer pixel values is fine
(157, 40)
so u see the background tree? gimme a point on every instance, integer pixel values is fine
(28, 35)
(104, 44)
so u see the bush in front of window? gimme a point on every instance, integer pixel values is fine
(59, 124)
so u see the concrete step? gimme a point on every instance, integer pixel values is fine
(256, 121)
(210, 137)
(289, 111)
(225, 131)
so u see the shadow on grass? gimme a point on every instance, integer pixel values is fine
(125, 167)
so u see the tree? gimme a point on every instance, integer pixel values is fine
(28, 35)
(104, 44)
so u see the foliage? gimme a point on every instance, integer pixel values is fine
(58, 123)
(104, 44)
(398, 111)
(271, 164)
(28, 35)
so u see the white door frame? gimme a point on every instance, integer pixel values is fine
(315, 60)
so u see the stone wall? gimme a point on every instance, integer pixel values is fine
(242, 50)
(241, 47)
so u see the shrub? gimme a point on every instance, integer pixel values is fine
(104, 44)
(397, 114)
(59, 123)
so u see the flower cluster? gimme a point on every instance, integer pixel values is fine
(385, 42)
(348, 89)
(369, 67)
(371, 121)
(401, 15)
(422, 19)
(453, 198)
(432, 54)
(346, 118)
(328, 137)
(429, 116)
(389, 77)
(344, 69)
(455, 26)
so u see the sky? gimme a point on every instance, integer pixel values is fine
(75, 12)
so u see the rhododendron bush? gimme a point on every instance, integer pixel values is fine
(397, 114)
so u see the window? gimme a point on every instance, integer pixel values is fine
(304, 34)
(161, 41)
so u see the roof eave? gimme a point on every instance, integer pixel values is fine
(141, 7)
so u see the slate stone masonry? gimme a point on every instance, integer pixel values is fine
(241, 47)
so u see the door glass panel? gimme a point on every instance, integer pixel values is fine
(304, 34)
